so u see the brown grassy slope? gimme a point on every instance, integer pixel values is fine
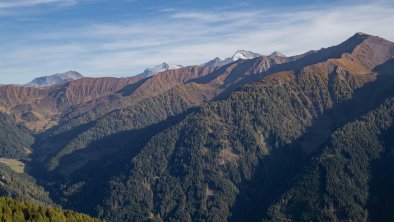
(43, 105)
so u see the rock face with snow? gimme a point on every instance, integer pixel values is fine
(240, 54)
(55, 79)
(157, 69)
(243, 54)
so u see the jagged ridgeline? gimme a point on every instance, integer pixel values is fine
(248, 138)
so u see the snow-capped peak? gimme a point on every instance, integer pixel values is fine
(243, 54)
(165, 66)
(239, 54)
(157, 69)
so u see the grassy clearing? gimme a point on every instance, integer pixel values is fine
(14, 164)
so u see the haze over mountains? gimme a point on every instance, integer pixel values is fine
(247, 138)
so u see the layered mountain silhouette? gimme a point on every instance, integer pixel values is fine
(248, 138)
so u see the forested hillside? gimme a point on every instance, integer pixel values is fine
(239, 152)
(344, 180)
(15, 140)
(21, 186)
(273, 138)
(14, 210)
(245, 150)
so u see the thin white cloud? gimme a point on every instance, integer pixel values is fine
(28, 3)
(167, 10)
(190, 37)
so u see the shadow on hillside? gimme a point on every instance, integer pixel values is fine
(322, 55)
(130, 89)
(51, 141)
(95, 165)
(46, 145)
(213, 75)
(295, 62)
(381, 195)
(276, 171)
(237, 77)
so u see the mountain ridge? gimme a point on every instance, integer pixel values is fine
(202, 142)
(206, 156)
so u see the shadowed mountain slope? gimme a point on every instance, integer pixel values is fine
(268, 138)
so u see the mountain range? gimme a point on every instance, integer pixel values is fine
(60, 78)
(248, 138)
(216, 62)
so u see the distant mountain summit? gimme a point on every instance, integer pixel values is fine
(54, 79)
(243, 54)
(279, 54)
(214, 62)
(239, 54)
(157, 69)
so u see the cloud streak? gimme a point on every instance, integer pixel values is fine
(189, 37)
(4, 4)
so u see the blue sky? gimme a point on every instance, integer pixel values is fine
(123, 37)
